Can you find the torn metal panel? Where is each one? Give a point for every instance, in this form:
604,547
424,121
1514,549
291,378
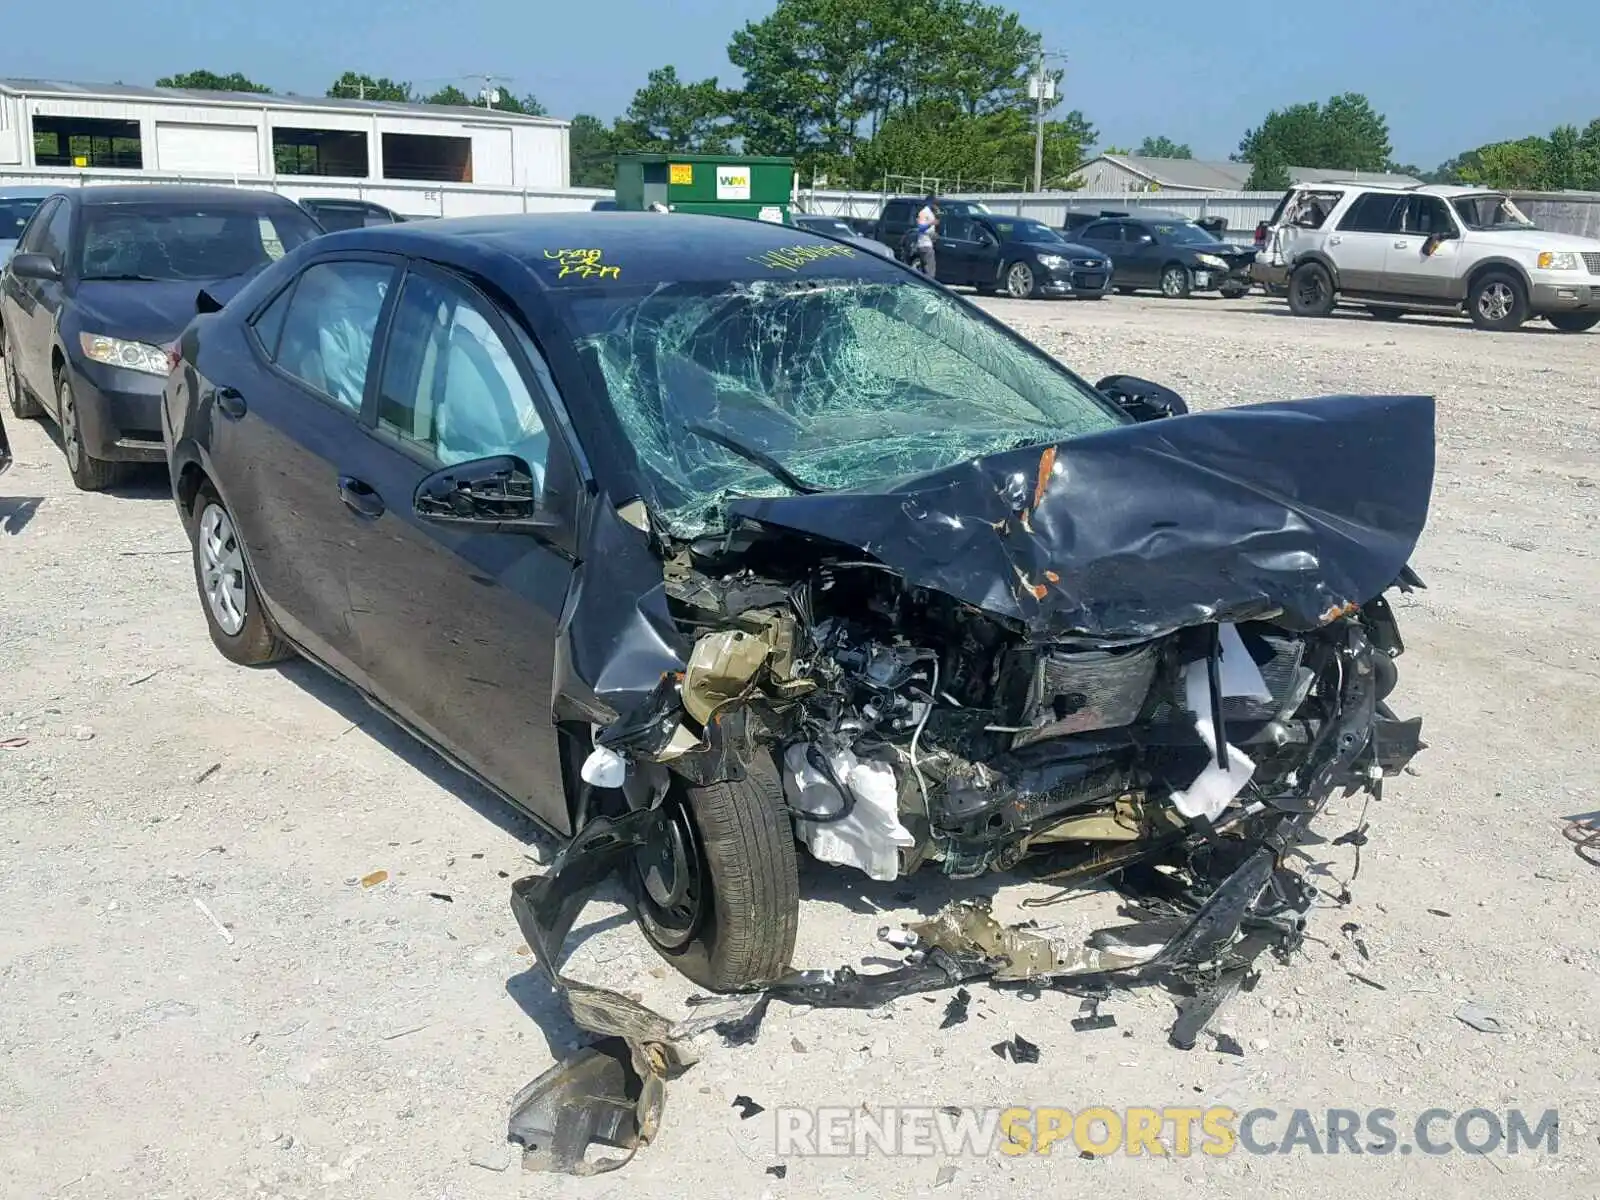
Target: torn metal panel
1300,509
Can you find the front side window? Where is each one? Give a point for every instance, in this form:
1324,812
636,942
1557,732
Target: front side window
54,233
1491,211
1375,212
450,385
1184,233
1428,215
1103,231
841,382
959,229
329,326
188,241
34,234
14,214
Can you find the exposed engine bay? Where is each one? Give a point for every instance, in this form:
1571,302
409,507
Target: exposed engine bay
1150,655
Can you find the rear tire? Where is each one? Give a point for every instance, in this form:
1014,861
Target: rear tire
1497,301
22,404
1574,322
1311,291
740,928
240,626
90,474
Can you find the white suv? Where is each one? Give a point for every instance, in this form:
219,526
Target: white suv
1430,249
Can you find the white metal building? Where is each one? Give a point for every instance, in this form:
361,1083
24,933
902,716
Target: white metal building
106,130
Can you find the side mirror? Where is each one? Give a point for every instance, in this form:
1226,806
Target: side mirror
498,494
1141,399
34,266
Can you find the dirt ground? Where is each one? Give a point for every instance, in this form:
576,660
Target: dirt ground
342,1040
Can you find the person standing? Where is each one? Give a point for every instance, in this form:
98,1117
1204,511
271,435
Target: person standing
927,228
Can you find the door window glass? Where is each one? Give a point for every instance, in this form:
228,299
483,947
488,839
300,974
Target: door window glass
33,234
1374,212
269,322
959,229
52,241
326,339
1428,215
1103,231
449,383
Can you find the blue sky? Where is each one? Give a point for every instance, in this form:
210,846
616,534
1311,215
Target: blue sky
1449,74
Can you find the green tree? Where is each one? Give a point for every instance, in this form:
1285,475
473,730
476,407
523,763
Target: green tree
528,105
1267,172
823,76
1518,164
210,81
1345,134
669,114
937,140
452,95
590,147
354,86
1164,147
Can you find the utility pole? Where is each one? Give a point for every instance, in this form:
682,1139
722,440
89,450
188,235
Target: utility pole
1041,87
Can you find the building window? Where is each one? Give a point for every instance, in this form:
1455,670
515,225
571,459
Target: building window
86,142
426,157
340,152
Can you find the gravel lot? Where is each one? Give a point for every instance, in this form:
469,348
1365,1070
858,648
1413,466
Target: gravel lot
344,1040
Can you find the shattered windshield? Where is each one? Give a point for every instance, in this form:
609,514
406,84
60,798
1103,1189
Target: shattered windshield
769,387
1185,234
1491,212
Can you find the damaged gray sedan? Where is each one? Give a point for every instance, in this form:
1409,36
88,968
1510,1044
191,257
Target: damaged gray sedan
737,543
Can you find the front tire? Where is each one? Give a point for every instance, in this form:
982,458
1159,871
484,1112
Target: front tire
240,625
89,473
1497,301
719,884
1176,282
1019,281
1574,322
1311,291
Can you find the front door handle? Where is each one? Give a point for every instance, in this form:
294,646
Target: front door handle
360,498
1402,245
230,401
1335,240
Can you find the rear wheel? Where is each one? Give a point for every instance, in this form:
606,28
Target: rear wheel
1574,322
89,473
1497,301
1311,291
240,626
1175,281
718,883
1019,280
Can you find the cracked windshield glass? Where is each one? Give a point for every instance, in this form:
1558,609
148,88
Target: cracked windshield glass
767,388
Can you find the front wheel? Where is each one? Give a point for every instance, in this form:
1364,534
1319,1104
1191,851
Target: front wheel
240,626
1574,322
718,883
1019,281
1175,282
89,473
1311,291
1497,301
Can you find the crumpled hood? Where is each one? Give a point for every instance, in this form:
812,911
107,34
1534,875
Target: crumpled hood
1305,507
155,312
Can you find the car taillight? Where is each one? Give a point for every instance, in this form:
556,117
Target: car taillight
1261,233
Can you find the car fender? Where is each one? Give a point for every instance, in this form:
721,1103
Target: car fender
1319,257
1461,286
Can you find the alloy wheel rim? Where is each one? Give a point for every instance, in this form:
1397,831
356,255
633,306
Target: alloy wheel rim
1172,283
221,569
69,426
1496,301
1020,280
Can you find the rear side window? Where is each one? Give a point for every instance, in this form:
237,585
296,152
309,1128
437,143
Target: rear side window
1103,231
328,328
1375,212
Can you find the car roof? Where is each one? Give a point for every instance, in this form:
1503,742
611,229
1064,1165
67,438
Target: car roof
172,193
642,246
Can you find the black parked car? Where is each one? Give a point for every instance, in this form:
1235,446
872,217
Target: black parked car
335,213
102,282
1025,258
900,215
642,522
1174,257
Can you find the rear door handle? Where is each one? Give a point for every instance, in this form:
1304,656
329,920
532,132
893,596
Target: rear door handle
230,401
360,498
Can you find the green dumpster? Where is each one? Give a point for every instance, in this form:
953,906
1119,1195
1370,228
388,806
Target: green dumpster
723,185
